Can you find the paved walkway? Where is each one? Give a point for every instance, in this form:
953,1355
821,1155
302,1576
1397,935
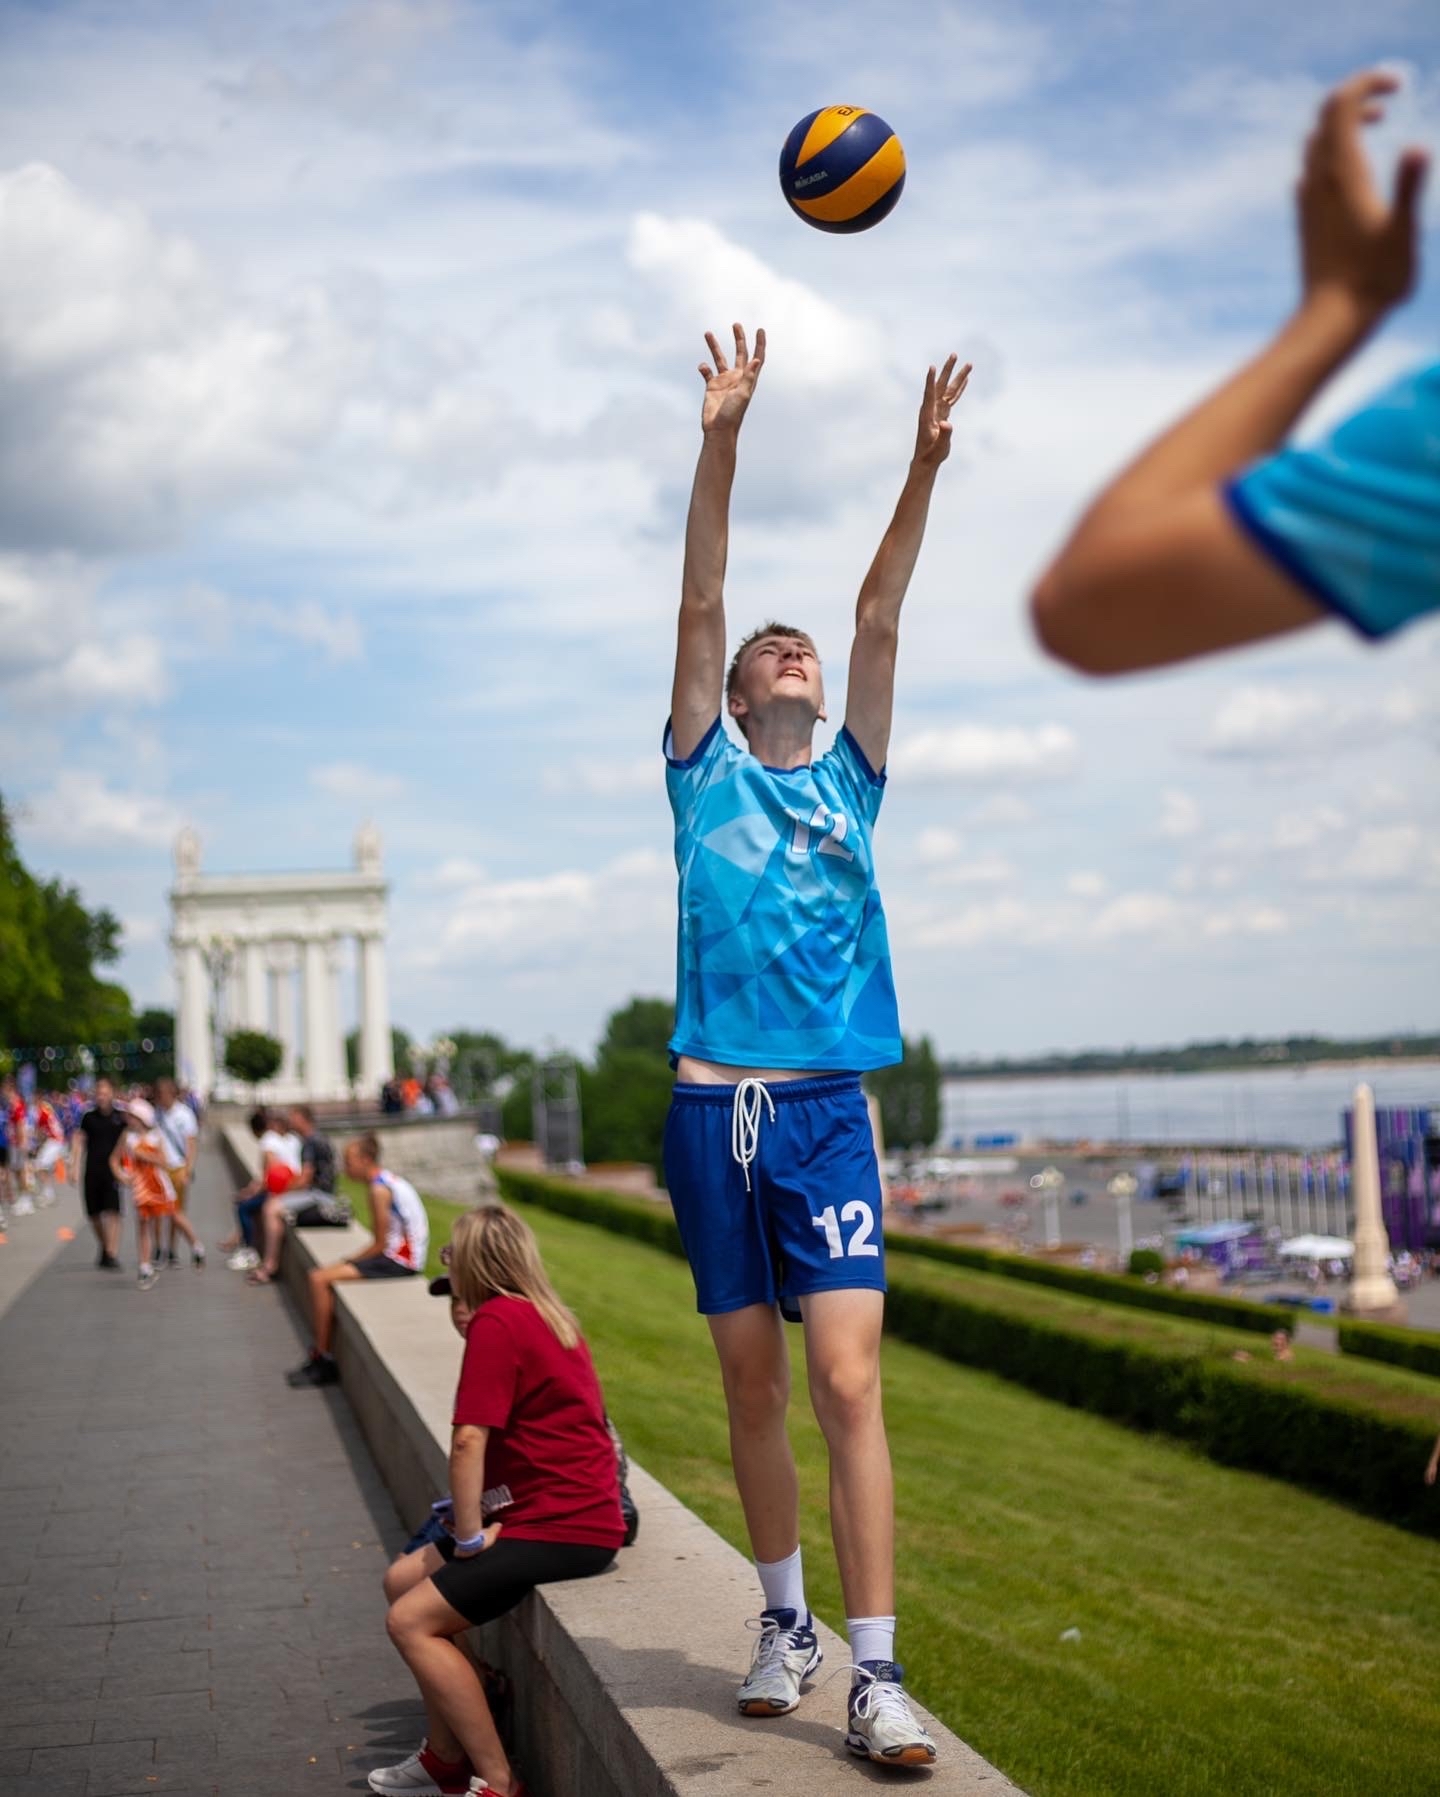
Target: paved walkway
190,1552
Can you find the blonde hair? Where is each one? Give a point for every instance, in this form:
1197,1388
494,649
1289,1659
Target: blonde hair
494,1254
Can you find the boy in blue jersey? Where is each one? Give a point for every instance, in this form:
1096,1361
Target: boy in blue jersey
1218,536
783,998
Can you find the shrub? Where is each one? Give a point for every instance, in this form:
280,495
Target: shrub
640,1220
1145,1260
1107,1288
1413,1348
253,1056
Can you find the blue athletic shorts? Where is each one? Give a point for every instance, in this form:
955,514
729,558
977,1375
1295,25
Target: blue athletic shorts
811,1219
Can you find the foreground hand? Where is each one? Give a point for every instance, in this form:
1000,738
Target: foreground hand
467,1550
727,389
932,440
1350,239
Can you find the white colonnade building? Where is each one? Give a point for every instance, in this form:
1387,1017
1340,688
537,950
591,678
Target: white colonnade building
266,952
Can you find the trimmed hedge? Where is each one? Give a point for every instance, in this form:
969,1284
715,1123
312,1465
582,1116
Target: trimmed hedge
1108,1288
1249,1416
635,1217
1413,1348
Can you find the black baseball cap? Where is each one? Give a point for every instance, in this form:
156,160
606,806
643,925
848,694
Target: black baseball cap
440,1288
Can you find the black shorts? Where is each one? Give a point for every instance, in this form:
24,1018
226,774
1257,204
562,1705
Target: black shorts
486,1585
314,1217
380,1266
101,1198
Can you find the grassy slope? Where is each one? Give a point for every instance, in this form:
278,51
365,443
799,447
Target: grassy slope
1237,1636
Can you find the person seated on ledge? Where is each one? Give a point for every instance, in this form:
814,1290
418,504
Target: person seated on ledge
309,1201
529,1446
400,1242
279,1165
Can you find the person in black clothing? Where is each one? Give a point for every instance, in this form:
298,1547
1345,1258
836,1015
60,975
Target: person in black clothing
101,1129
310,1202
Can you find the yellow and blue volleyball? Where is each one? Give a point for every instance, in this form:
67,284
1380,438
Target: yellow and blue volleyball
842,169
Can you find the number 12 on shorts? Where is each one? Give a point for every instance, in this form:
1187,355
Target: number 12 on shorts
856,1211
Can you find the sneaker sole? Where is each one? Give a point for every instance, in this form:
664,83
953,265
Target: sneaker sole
765,1706
904,1756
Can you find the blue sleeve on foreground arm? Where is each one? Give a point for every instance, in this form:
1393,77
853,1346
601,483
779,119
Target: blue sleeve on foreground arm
1355,521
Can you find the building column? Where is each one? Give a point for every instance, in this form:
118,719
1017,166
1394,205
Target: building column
334,953
193,1056
257,1007
319,1050
377,1061
282,1004
235,1017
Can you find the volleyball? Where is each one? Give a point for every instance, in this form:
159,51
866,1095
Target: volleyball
842,169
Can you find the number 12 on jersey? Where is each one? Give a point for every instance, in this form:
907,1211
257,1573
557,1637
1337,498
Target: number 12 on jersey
856,1211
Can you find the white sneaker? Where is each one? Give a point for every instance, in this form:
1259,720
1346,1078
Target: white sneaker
785,1656
147,1277
408,1779
242,1260
882,1724
24,1206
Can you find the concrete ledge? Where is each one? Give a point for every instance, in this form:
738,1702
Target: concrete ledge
625,1684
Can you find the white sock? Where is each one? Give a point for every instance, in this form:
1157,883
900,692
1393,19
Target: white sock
871,1638
784,1586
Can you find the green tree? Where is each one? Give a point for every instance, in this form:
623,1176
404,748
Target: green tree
399,1052
623,1103
253,1056
645,1025
50,948
157,1027
909,1097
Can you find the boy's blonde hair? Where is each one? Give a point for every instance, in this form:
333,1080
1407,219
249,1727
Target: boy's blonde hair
494,1254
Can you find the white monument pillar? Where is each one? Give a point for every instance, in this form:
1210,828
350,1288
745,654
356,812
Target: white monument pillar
377,1061
334,954
319,1049
235,1014
257,1008
282,994
194,1059
1371,1288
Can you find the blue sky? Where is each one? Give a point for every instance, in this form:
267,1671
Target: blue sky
350,413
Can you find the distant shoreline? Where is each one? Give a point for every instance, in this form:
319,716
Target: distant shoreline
950,1074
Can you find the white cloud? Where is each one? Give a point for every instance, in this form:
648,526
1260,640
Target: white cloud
80,810
1179,815
979,870
1391,855
1004,810
1304,828
61,648
601,778
936,845
1137,914
1086,884
355,783
987,752
139,391
1284,723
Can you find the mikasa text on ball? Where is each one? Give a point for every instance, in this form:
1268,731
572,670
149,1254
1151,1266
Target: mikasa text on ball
842,169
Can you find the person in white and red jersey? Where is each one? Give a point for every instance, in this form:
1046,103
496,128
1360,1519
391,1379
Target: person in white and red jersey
400,1242
48,1139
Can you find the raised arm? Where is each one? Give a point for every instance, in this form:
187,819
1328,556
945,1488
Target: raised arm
870,698
700,648
1157,569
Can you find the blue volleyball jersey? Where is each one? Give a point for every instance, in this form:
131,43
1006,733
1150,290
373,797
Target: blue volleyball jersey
1356,520
783,956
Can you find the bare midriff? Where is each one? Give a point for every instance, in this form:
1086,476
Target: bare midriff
690,1071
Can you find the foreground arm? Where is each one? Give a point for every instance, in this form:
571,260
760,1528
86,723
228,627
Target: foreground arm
700,647
379,1223
1157,570
870,696
467,1487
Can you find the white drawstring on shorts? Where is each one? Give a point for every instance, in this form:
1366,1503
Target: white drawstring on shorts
745,1122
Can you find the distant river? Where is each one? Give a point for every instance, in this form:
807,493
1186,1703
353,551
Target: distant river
1299,1106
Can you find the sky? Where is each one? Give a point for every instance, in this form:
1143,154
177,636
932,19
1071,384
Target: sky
349,413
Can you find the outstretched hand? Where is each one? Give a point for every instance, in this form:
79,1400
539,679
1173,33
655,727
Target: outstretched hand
728,389
1350,238
942,393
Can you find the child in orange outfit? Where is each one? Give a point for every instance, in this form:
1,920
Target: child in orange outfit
145,1167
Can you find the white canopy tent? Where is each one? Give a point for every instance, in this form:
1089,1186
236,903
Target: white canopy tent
1317,1247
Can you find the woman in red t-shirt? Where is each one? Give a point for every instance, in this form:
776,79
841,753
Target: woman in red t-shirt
535,1495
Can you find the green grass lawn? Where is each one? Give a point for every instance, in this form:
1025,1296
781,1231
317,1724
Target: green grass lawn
1237,1636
